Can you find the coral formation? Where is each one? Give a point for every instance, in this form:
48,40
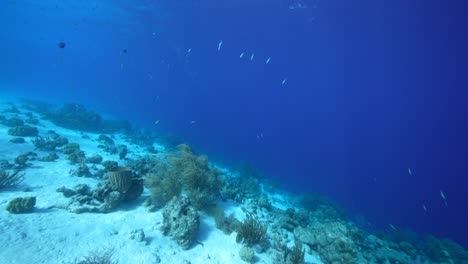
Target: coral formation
50,157
21,205
103,199
120,179
247,254
12,122
50,143
96,159
76,116
188,172
7,179
250,231
22,159
23,131
181,221
18,140
74,153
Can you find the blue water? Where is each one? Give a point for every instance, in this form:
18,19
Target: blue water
372,88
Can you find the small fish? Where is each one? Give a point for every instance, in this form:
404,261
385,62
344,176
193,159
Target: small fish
220,44
284,81
393,227
189,50
442,194
268,60
156,122
241,55
121,66
252,56
424,207
193,122
410,172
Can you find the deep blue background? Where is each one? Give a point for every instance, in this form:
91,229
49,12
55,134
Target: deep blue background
373,88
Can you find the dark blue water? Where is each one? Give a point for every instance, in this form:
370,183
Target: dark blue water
373,88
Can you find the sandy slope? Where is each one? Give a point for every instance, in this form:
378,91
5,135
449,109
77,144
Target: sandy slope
53,235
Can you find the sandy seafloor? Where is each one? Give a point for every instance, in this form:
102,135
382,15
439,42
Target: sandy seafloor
52,235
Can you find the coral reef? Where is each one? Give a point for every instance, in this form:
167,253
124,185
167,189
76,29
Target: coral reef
50,143
23,131
76,116
103,199
181,221
12,122
21,205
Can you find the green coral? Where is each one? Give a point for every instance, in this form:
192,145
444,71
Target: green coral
49,158
70,148
163,187
96,159
201,182
21,205
53,142
22,159
185,171
74,153
251,231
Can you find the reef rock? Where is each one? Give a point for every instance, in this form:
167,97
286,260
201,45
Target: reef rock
332,240
181,221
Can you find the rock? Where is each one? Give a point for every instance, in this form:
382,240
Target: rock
181,221
18,140
96,159
135,190
247,254
332,240
137,235
66,192
23,131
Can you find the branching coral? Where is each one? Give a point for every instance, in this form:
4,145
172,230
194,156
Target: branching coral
184,171
7,179
251,231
